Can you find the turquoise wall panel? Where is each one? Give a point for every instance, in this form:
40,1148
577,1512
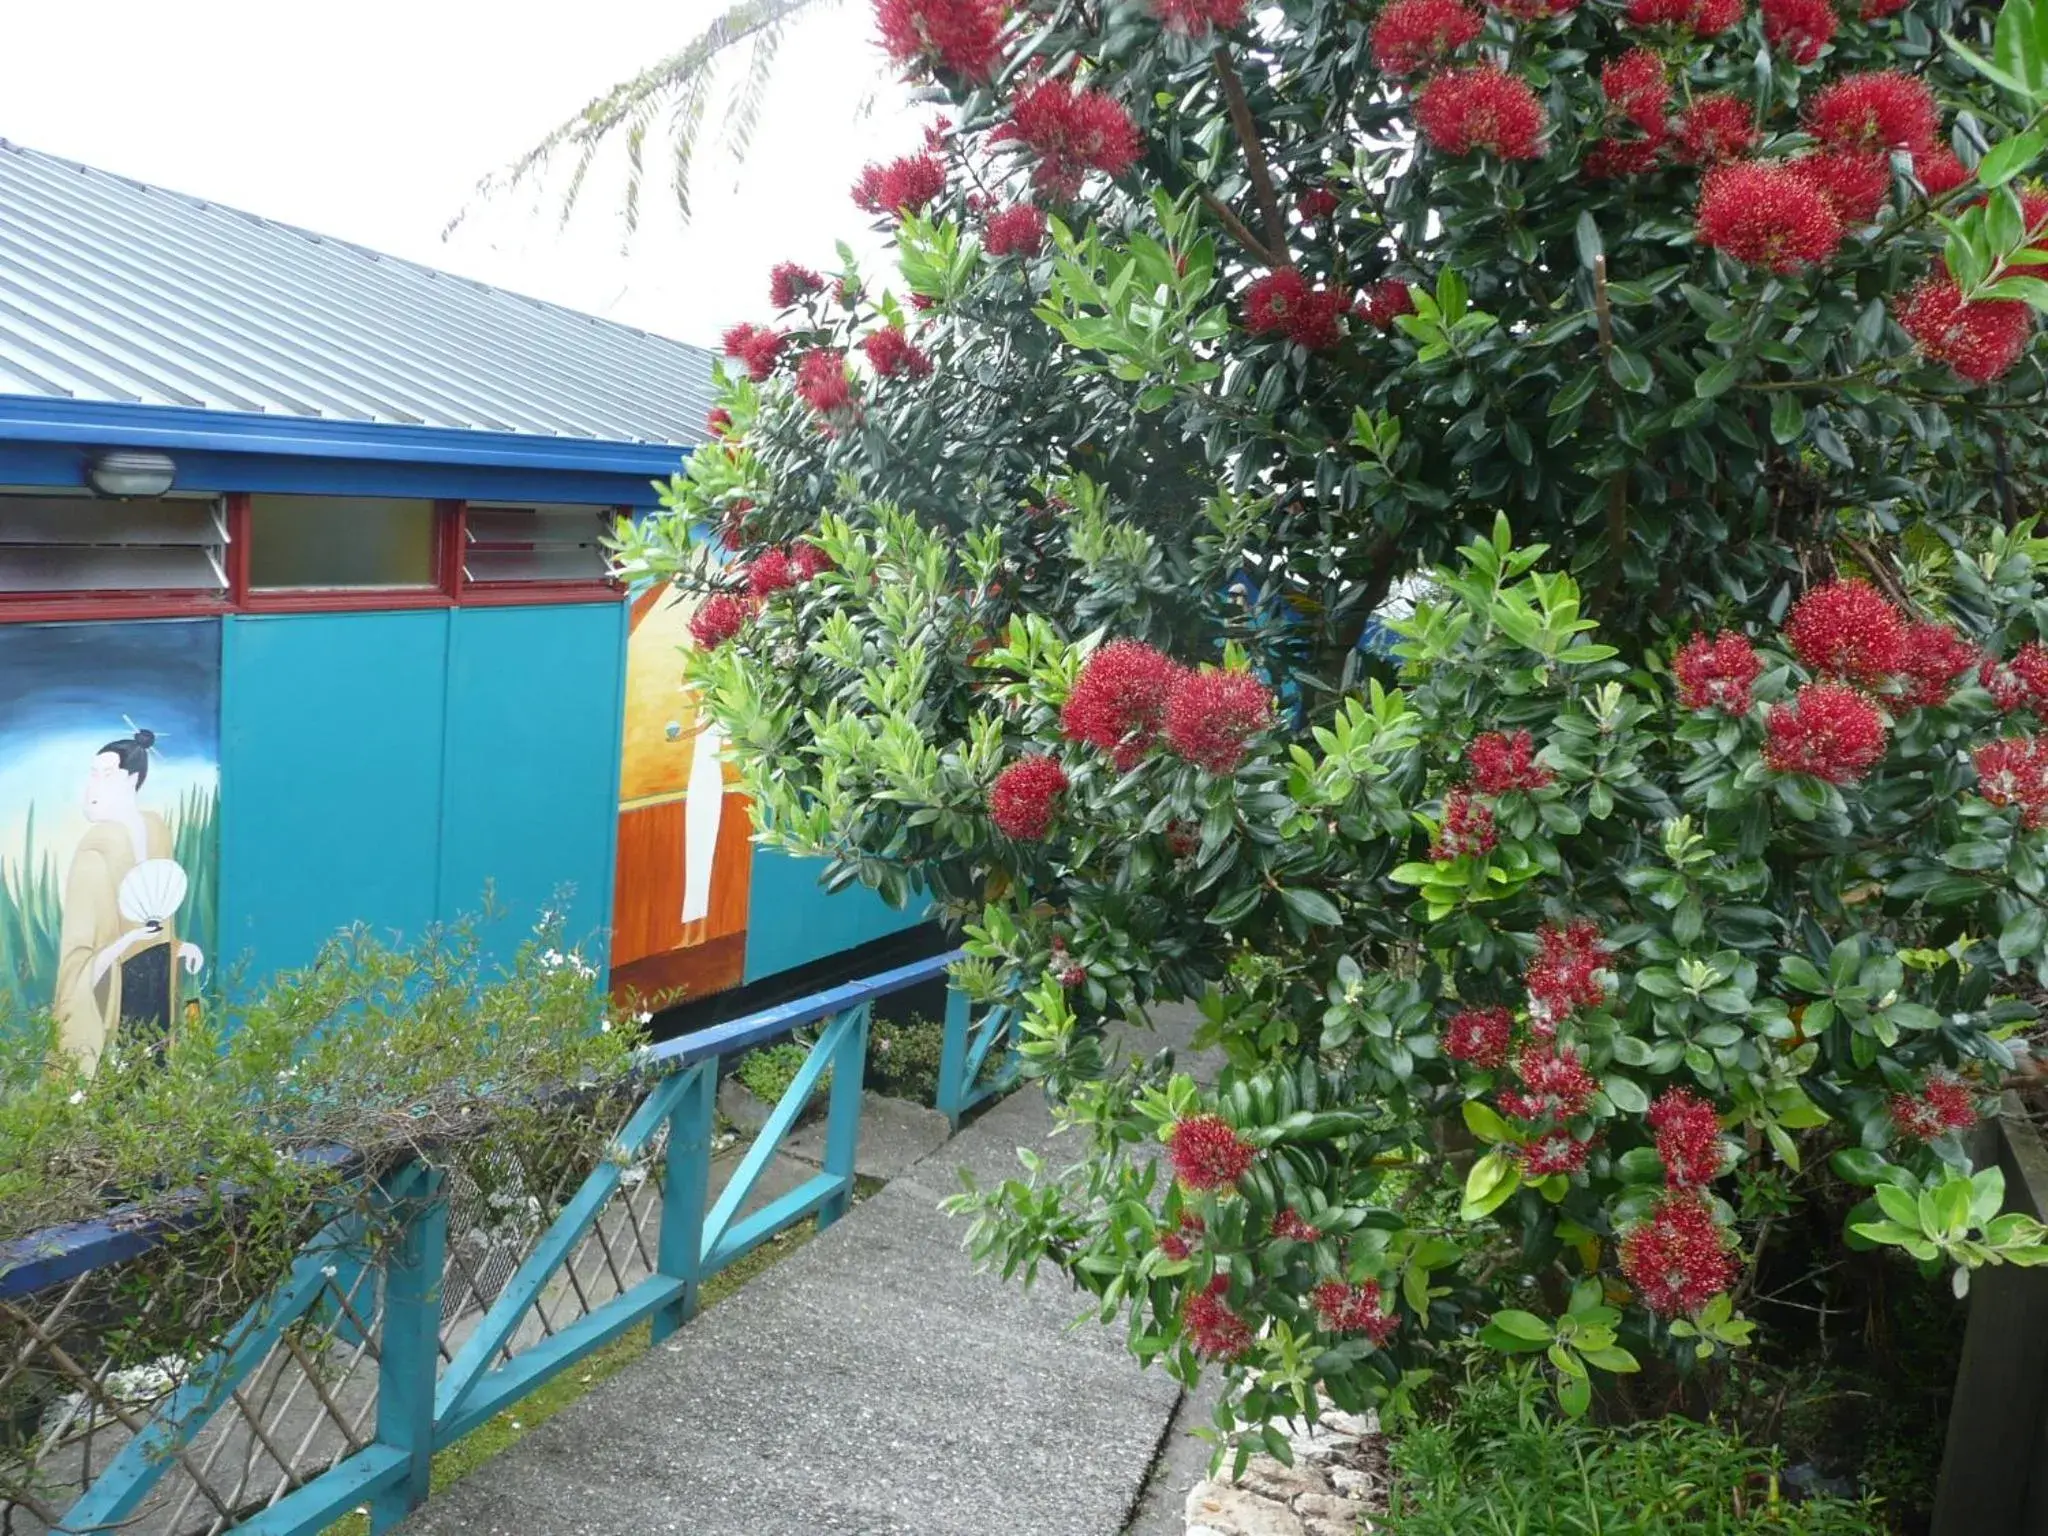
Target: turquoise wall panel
331,736
791,921
530,796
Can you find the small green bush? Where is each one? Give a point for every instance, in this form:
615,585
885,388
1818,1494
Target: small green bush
903,1057
1498,1463
768,1072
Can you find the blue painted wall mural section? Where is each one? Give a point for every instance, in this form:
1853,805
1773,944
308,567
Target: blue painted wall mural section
794,922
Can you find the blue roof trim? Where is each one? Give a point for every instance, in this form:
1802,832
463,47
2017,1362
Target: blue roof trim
36,419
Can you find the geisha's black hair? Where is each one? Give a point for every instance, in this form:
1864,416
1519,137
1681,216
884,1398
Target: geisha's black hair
132,753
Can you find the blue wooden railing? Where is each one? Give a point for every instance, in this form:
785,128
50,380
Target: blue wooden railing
286,1392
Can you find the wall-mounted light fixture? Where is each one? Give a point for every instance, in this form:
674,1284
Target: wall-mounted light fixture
126,472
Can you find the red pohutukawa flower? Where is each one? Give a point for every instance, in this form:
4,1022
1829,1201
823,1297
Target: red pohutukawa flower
1381,303
1207,1154
1018,230
1073,131
1479,1035
1211,716
1678,1260
1316,203
719,422
823,383
1218,1332
1979,339
1935,659
1938,171
1354,1309
1025,797
1554,1152
1503,761
1881,109
1282,301
789,284
1715,128
2034,213
893,355
1179,1243
1193,18
1702,18
1767,216
1854,181
1717,673
1119,700
1799,29
1565,975
1611,159
2030,666
1482,109
902,186
1827,732
807,560
1877,10
718,618
1467,830
1555,1085
769,573
1846,630
1410,36
1534,10
756,346
964,36
1943,1104
1688,1138
2013,771
1637,88
2008,690
1289,1226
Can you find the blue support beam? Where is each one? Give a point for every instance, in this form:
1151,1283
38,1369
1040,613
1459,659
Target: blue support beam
409,1352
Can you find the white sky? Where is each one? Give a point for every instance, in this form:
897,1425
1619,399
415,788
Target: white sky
372,121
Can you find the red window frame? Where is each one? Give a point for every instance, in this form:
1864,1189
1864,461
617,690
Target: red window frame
510,594
75,607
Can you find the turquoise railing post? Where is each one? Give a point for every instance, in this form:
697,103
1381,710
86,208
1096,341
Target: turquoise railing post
842,1123
409,1357
953,1096
685,1190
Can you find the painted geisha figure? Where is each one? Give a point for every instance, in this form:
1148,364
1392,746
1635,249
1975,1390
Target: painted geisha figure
120,957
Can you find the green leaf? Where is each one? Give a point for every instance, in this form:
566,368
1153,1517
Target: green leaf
1788,417
1492,1180
1612,1358
2007,158
1798,971
1900,1206
1626,1094
2022,936
1588,236
1524,1325
1313,905
1630,370
1484,1123
1574,1395
1717,380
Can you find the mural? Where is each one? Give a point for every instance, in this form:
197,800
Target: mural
685,866
109,792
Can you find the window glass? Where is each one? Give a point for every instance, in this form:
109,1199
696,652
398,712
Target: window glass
301,543
58,545
529,544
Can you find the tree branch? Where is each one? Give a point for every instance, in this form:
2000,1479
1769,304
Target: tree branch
1255,160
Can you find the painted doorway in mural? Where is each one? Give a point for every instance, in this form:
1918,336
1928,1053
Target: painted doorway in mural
685,867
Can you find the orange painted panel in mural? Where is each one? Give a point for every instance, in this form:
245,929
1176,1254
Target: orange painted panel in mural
647,901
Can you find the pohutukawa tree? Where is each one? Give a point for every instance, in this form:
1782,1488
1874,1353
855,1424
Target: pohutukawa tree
1142,587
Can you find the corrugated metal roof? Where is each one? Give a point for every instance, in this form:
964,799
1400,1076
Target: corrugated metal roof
114,290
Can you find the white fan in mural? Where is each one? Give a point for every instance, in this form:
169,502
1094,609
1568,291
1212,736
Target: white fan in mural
152,891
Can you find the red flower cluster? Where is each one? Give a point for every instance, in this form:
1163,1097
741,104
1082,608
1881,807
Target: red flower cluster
1482,108
1207,1154
1565,975
1180,1243
1410,36
1854,181
1467,830
1354,1309
1980,339
823,383
807,560
756,346
1613,158
1935,660
1018,230
1943,1104
2014,771
1877,10
719,422
1799,28
893,354
1289,1227
2020,683
1217,1331
1073,131
1881,109
1316,203
1688,1138
1479,1035
1717,673
1193,18
770,572
1119,700
964,36
1534,10
1827,732
1846,630
1025,797
1636,88
1715,128
1382,302
1938,171
1557,1083
1505,760
718,618
1702,18
1767,216
1282,301
788,284
902,186
1212,715
1555,1152
1679,1259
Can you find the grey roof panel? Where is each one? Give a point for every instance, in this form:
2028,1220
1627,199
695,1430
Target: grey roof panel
114,290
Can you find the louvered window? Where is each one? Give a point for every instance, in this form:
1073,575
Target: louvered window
513,545
62,546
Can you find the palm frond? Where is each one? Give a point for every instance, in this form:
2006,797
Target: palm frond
745,115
